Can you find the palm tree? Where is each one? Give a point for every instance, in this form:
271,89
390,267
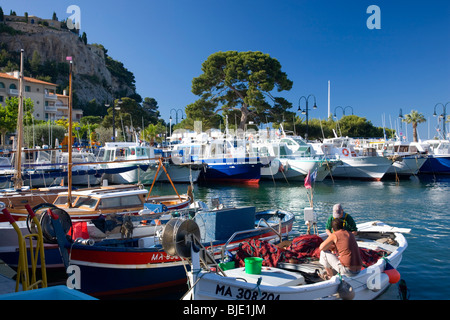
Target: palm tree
415,118
149,133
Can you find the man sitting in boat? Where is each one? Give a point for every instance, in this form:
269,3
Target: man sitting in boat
338,213
348,259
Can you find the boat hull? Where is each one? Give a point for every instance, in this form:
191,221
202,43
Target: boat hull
130,174
436,165
410,165
229,172
180,174
362,168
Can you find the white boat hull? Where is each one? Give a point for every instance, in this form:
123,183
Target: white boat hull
180,174
42,182
132,176
297,169
408,166
365,168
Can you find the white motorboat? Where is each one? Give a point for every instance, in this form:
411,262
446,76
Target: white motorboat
85,172
438,162
128,162
407,159
299,281
294,159
39,168
366,165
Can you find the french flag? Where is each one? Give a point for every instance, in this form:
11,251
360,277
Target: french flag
310,178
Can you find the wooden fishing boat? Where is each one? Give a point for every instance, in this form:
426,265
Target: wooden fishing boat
90,203
300,281
121,266
15,200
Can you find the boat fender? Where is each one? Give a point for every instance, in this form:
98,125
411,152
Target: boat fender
345,291
392,273
86,242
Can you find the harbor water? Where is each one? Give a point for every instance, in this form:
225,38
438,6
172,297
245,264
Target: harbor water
419,203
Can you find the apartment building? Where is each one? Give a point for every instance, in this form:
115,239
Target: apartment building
48,105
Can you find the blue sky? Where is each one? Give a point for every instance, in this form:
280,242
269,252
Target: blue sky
405,64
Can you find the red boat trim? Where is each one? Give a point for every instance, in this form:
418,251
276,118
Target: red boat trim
140,258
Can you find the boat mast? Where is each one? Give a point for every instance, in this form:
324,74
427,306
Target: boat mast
69,143
18,182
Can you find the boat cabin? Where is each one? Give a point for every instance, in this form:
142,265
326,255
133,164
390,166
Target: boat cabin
439,147
298,146
104,199
113,151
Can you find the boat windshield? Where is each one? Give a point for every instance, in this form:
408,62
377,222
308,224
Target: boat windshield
63,199
119,202
86,202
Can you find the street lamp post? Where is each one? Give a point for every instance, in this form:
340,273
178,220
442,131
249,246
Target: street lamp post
115,107
400,116
176,118
443,115
306,110
343,110
176,115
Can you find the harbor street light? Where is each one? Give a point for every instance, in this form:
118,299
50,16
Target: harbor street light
306,110
443,115
176,114
115,107
343,110
400,116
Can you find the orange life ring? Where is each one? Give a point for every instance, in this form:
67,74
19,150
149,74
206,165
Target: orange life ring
345,152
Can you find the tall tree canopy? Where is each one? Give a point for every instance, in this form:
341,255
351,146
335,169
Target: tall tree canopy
245,81
150,106
9,113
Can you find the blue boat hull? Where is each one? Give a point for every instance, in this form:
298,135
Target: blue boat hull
232,172
52,258
96,281
436,165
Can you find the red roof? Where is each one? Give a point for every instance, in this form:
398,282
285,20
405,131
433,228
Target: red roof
10,77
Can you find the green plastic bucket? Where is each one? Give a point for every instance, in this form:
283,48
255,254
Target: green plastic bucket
253,265
227,265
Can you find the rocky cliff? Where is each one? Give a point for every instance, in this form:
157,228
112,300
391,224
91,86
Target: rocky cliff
92,79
